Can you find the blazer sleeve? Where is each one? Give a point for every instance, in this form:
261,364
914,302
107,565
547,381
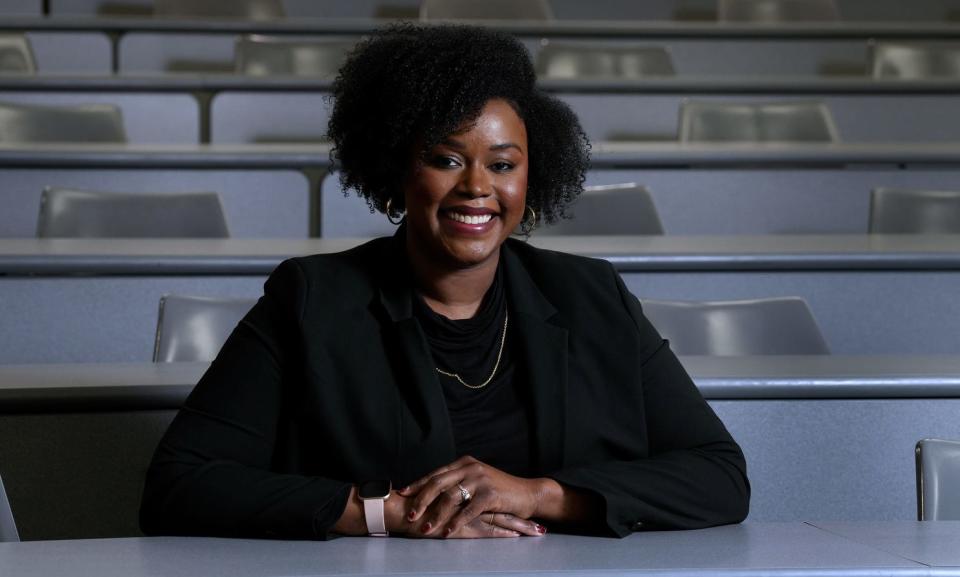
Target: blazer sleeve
695,473
211,473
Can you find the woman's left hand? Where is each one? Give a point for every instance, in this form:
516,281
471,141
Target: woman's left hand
438,500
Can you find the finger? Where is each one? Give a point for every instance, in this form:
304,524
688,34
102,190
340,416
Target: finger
478,529
522,526
470,511
433,489
414,487
439,513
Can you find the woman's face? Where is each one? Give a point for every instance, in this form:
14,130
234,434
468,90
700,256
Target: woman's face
467,194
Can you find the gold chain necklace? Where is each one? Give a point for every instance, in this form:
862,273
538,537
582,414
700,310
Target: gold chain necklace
503,339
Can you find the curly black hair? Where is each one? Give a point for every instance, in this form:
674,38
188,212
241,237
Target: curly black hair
411,86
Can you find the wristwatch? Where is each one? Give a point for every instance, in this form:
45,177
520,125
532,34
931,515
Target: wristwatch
373,494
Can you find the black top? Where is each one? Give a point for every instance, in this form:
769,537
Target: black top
329,381
490,422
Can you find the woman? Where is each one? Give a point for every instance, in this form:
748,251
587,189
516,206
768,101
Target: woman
450,381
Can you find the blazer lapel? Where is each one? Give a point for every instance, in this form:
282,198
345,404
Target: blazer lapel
543,347
433,445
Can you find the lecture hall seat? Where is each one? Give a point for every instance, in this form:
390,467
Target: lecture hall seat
938,480
257,55
773,11
485,10
191,328
67,213
613,209
794,121
234,9
556,60
8,528
771,326
16,55
915,61
897,211
84,123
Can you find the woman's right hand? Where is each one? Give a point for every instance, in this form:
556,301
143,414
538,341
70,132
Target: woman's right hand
486,526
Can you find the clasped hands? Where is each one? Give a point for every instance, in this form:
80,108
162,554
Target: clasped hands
500,505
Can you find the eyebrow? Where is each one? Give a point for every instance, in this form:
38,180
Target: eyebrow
502,146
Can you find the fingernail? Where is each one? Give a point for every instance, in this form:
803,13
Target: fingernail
449,530
412,515
541,529
426,528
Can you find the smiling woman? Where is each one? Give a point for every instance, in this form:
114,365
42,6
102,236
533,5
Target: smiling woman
450,381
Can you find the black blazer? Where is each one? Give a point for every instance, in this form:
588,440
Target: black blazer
329,381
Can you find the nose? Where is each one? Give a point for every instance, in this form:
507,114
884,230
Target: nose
475,181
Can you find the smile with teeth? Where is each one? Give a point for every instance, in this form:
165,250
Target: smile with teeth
470,218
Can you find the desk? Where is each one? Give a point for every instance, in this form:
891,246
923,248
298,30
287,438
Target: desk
63,387
828,438
933,544
96,300
793,549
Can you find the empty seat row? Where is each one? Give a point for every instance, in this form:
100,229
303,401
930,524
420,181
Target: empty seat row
194,328
726,10
623,209
700,121
259,55
268,117
262,56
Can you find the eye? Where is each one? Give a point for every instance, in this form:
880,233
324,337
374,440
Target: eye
502,166
442,161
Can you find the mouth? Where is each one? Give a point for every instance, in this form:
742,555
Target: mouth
468,218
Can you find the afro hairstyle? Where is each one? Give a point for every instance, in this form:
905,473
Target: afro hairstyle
406,88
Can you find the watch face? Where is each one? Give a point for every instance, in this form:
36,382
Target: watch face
374,490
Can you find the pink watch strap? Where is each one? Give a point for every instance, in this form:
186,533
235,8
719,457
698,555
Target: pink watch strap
373,513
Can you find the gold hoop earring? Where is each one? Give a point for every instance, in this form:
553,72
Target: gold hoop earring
390,211
527,225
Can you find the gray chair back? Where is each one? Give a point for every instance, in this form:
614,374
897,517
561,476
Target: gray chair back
16,54
915,60
237,9
702,121
485,10
8,528
560,60
777,10
895,211
23,123
938,480
266,56
88,214
194,328
615,209
773,326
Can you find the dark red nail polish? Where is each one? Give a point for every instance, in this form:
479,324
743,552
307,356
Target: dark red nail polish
541,529
411,515
426,528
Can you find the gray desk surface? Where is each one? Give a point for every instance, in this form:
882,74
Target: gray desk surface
936,544
647,30
750,549
102,386
646,155
719,84
152,257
